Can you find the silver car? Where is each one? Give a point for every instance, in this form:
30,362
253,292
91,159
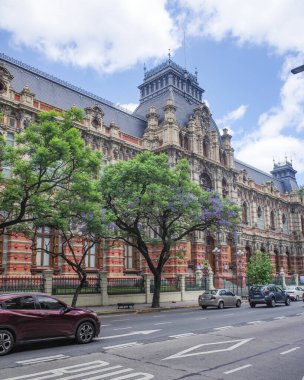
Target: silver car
295,292
219,298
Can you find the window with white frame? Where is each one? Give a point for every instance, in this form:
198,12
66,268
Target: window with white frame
90,259
43,246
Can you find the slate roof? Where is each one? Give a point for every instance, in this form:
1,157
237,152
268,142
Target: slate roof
61,94
258,175
184,107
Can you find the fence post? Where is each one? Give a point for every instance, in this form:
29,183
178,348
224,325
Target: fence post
182,279
210,275
103,278
296,279
282,275
147,278
48,281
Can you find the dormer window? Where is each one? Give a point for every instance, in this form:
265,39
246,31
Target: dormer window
95,122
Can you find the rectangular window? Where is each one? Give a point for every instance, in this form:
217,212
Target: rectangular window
43,246
90,259
128,257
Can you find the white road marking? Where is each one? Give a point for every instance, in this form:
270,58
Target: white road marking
199,319
123,328
291,350
42,359
188,351
104,325
145,332
300,314
227,315
238,369
223,328
98,369
181,335
254,322
282,317
161,323
130,344
120,320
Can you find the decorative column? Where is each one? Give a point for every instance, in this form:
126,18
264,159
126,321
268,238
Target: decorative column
210,278
103,278
282,276
48,281
148,278
182,286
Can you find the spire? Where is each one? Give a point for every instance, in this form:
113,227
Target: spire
169,55
145,70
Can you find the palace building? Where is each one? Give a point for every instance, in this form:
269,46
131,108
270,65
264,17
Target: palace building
172,117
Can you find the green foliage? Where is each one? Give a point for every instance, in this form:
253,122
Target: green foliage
259,269
150,201
49,163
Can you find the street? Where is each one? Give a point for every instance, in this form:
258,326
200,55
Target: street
261,343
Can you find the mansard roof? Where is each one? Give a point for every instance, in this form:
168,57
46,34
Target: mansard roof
63,95
258,175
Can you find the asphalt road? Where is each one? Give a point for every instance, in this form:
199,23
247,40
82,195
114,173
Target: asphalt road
261,343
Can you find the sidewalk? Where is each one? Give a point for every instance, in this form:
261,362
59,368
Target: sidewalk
144,308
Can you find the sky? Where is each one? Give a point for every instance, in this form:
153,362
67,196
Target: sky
243,52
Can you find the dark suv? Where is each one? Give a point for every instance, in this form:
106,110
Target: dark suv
268,294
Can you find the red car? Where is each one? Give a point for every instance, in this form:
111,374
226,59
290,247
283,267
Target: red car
37,316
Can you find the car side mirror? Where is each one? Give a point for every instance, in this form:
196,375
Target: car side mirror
66,309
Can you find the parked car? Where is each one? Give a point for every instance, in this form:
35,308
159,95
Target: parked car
268,294
219,298
295,292
37,316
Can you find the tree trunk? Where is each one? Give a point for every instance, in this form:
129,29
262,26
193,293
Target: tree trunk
156,293
83,279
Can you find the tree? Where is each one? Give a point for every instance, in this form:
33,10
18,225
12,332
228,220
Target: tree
259,269
79,220
154,203
46,157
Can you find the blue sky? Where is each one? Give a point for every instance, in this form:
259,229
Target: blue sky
243,52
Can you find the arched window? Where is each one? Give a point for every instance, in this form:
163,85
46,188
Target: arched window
244,213
206,147
205,182
285,224
225,188
272,220
186,142
260,218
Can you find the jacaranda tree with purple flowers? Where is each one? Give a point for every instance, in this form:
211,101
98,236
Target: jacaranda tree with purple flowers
151,201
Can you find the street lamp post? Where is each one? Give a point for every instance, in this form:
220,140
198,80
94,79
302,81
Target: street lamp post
239,253
216,251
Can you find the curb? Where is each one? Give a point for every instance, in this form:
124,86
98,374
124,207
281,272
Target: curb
146,310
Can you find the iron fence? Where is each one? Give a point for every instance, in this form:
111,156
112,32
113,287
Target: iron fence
290,281
67,285
195,283
167,285
242,291
126,285
9,284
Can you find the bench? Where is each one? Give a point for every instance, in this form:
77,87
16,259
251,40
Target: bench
125,305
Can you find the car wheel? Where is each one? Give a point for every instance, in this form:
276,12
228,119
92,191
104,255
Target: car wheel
204,307
7,342
85,333
287,301
221,305
238,303
272,302
252,304
297,298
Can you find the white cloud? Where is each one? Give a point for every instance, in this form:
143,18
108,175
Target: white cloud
231,117
277,23
129,106
106,35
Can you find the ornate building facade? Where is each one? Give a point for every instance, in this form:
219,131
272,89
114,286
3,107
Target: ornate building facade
172,118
